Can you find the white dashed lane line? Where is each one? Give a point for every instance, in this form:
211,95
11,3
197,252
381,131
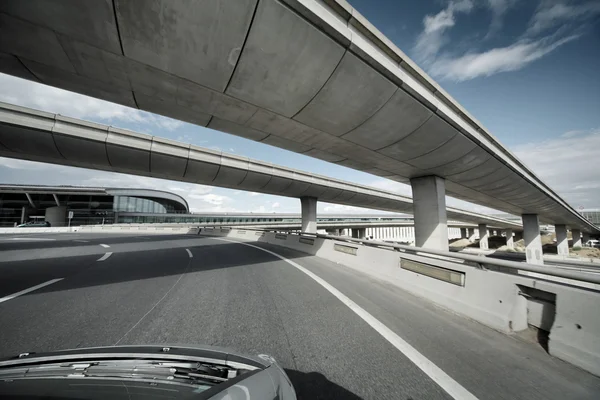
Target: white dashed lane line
31,289
189,253
105,256
105,245
81,241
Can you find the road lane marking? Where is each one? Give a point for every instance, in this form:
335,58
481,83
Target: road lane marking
105,245
31,289
105,256
81,241
189,253
452,387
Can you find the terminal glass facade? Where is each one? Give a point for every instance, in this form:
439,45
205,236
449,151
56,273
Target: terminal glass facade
592,215
142,205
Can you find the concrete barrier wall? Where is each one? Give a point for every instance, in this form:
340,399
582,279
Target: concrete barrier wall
105,228
39,230
492,298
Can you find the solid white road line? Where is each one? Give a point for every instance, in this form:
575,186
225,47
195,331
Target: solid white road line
189,253
81,241
105,245
452,387
105,256
31,289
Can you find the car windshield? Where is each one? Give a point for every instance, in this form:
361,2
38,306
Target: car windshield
313,199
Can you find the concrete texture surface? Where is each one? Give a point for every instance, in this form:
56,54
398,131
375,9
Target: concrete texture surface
532,239
146,155
234,296
431,224
483,237
562,242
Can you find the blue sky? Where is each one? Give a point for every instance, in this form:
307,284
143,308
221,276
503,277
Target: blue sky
528,70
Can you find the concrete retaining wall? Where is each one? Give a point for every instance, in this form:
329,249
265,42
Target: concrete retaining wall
492,298
39,230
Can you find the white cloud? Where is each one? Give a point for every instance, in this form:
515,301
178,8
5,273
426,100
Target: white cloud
498,9
461,66
254,194
401,189
432,38
551,14
569,165
212,198
574,133
511,58
275,205
47,98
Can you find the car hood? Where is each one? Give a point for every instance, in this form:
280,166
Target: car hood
129,372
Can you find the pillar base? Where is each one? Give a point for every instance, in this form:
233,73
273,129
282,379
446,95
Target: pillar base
562,243
532,239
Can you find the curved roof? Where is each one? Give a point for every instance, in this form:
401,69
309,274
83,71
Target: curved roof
95,191
310,76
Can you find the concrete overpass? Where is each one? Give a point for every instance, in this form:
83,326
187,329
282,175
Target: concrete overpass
309,76
46,137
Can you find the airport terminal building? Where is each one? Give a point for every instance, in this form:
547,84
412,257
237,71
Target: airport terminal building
86,205
97,206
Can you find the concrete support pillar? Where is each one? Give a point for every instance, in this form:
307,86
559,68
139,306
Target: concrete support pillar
562,243
57,216
483,237
23,215
509,238
471,234
532,238
309,214
585,237
518,236
362,233
429,209
463,233
576,237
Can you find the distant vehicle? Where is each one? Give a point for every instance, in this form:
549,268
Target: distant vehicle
592,243
149,372
35,224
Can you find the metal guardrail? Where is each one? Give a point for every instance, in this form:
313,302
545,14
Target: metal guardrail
480,260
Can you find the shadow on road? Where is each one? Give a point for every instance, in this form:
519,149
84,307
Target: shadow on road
314,385
141,265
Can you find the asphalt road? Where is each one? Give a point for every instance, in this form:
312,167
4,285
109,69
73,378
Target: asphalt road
149,290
